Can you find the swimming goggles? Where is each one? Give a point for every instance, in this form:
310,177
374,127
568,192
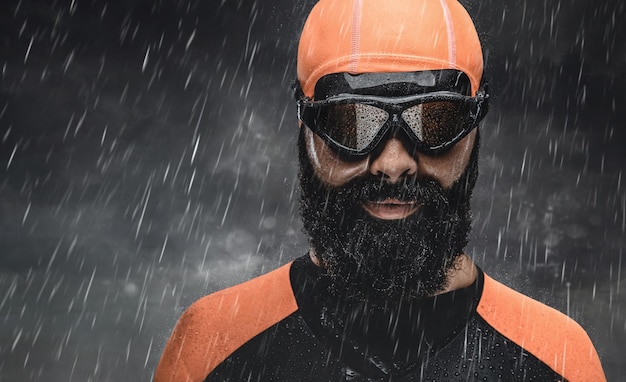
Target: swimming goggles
356,124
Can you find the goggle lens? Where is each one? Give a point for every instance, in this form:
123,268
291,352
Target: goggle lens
353,125
437,123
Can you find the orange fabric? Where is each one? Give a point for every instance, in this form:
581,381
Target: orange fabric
218,324
361,36
544,332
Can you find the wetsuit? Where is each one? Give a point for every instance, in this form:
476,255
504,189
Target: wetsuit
287,326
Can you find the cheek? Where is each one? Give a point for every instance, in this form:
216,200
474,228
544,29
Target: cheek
328,167
448,167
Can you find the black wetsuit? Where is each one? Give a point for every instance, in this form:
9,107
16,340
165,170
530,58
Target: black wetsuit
456,336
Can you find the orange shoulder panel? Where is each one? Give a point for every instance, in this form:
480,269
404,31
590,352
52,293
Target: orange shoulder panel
546,333
216,325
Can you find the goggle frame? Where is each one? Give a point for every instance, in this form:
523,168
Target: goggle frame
394,106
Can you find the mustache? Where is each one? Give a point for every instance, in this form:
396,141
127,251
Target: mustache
423,190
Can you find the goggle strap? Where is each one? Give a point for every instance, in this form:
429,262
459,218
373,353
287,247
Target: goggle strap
298,93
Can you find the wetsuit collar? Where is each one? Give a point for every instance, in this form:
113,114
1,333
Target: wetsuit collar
380,341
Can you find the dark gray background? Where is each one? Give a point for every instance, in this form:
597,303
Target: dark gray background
147,157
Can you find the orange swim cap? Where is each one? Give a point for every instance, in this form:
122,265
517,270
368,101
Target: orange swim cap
366,36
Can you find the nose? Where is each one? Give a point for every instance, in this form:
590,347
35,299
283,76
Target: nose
393,162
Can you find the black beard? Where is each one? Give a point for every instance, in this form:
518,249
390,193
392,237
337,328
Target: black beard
379,260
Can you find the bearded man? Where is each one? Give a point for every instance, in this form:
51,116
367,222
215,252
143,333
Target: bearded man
389,97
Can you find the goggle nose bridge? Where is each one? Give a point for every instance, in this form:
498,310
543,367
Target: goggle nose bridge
392,127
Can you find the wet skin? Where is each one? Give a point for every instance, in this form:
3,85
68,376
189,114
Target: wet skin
393,163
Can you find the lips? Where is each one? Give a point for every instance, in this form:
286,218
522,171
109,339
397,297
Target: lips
391,209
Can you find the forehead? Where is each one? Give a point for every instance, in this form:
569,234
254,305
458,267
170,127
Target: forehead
392,83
